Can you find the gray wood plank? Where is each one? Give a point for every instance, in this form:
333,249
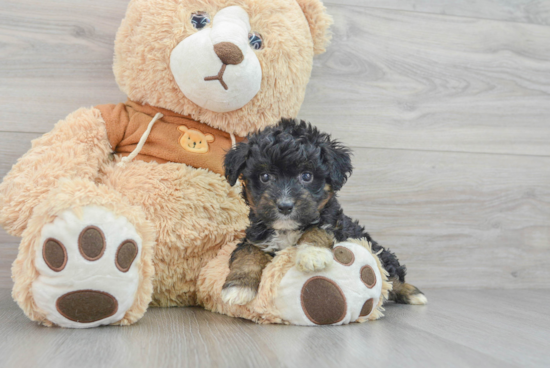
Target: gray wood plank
8,253
390,78
457,329
522,11
56,56
394,79
456,219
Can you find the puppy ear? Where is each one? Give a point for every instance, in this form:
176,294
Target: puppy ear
319,22
338,159
235,161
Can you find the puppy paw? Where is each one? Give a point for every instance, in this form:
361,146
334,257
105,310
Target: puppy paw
418,299
405,293
238,295
311,258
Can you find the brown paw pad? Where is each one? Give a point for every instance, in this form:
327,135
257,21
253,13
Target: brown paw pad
367,308
86,306
125,255
344,256
368,276
54,254
323,301
91,243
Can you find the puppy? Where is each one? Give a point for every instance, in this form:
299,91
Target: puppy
290,175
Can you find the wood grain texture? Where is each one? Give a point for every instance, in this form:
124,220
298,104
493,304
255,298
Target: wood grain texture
448,117
55,57
521,11
393,79
457,329
456,219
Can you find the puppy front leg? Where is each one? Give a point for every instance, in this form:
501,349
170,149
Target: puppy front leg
245,273
314,250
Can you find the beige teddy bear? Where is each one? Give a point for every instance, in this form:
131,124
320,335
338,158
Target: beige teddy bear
124,206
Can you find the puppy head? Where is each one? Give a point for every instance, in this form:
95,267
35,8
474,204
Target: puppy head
289,173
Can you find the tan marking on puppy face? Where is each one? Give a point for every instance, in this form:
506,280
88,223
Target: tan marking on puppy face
249,197
330,194
195,141
266,203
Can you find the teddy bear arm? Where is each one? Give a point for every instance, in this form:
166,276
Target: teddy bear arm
77,147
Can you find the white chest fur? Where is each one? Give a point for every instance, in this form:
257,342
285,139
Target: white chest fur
282,239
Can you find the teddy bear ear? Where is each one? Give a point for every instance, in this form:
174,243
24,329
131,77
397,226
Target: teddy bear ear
319,23
209,138
183,128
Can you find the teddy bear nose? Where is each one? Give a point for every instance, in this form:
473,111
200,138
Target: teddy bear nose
229,53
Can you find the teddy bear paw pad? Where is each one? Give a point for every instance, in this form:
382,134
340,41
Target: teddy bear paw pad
88,267
346,291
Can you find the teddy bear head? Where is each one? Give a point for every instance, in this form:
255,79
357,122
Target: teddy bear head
236,65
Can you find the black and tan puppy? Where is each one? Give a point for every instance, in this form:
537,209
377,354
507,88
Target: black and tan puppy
290,175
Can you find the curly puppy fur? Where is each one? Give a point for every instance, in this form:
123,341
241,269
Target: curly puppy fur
290,174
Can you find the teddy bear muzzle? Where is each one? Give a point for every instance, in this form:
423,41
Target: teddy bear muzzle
219,53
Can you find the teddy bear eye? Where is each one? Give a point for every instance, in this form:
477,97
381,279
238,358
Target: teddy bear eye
200,19
256,41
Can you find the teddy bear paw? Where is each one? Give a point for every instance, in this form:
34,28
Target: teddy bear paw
348,290
88,268
238,295
311,258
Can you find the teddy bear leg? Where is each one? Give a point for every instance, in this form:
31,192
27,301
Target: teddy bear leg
85,259
351,289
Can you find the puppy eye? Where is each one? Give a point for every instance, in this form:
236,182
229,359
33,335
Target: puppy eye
306,177
256,41
265,177
200,19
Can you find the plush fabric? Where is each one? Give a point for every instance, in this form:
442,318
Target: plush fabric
152,29
105,236
175,138
75,196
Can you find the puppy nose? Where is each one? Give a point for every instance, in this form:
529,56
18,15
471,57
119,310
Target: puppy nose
285,207
229,53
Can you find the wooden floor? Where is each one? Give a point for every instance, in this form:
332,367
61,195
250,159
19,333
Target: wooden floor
489,328
446,104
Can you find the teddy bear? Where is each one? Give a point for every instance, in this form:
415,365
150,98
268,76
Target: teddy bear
125,206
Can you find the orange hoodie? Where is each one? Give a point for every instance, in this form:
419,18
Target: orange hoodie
174,138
